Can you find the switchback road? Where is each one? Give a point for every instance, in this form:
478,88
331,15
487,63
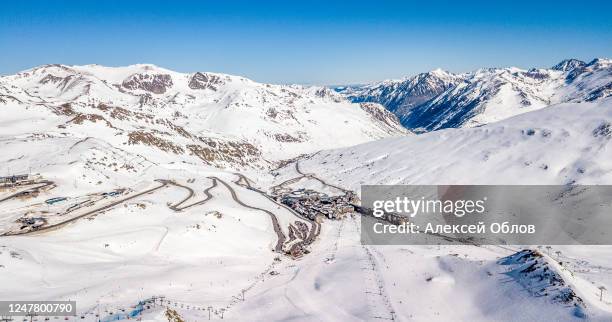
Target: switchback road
275,224
301,176
177,206
315,227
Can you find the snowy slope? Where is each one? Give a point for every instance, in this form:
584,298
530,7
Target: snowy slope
561,144
439,99
565,143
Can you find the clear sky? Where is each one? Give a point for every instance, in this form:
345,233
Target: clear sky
311,42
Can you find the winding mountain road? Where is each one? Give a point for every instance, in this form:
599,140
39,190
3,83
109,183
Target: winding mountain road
181,205
303,175
276,225
313,176
315,227
177,206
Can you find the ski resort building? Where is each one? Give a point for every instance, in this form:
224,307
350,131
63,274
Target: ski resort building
14,179
310,204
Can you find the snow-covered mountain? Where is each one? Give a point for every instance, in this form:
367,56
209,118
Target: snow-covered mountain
125,151
222,120
439,99
401,95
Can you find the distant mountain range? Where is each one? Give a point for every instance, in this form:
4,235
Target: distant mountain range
439,99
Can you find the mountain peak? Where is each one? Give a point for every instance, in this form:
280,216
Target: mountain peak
568,64
441,74
439,71
600,62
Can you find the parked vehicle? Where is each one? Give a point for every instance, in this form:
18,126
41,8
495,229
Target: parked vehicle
112,193
55,200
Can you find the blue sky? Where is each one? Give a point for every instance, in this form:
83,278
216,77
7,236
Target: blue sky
312,42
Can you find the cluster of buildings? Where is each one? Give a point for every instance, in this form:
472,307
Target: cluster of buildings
311,204
14,179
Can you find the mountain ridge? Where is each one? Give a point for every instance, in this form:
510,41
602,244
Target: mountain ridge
485,95
222,120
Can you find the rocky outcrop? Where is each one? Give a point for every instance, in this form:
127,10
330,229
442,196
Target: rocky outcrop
382,115
220,153
205,81
154,83
150,139
568,64
542,278
50,79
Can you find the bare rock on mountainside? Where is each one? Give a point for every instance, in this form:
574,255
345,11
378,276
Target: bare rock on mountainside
284,137
379,113
205,81
64,109
51,79
94,118
154,83
324,92
568,64
542,278
150,139
173,316
219,152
